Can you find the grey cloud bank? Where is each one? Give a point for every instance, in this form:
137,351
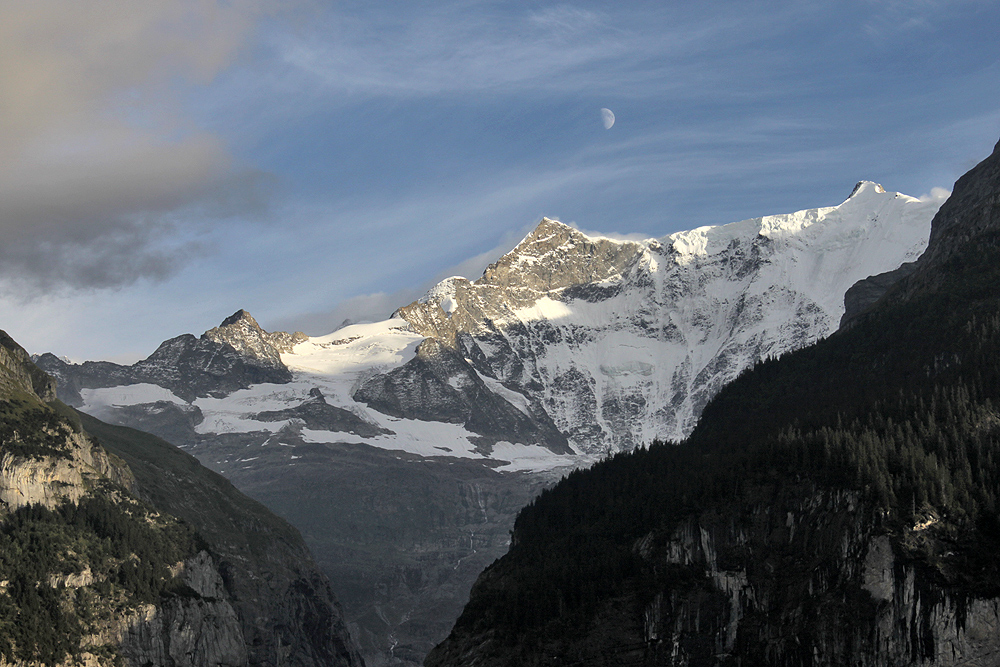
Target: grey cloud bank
99,165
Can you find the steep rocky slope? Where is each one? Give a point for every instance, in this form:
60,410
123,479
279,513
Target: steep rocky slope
232,356
117,548
241,332
839,505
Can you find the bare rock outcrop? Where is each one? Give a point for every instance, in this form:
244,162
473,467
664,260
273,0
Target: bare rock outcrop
241,331
230,357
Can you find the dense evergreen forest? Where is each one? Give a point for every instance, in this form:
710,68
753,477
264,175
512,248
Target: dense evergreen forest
31,430
902,408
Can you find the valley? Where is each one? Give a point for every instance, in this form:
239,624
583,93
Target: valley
491,334
404,449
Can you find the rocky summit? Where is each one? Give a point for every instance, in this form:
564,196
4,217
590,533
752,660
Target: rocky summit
241,332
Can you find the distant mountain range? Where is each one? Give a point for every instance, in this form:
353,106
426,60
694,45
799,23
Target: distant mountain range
573,344
569,348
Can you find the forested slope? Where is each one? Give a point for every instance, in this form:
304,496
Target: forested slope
118,549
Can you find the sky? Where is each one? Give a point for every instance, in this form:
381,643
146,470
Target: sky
166,163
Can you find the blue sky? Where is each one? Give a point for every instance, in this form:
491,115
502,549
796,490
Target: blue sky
167,163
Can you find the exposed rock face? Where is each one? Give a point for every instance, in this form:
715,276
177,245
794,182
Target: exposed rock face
51,480
233,356
168,420
553,257
204,631
864,293
193,367
317,414
68,462
241,331
900,615
438,384
972,212
185,634
199,630
18,373
900,612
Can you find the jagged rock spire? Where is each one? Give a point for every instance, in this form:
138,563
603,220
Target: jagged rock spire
240,315
241,331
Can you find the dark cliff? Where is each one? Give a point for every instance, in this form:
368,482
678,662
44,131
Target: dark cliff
838,505
971,215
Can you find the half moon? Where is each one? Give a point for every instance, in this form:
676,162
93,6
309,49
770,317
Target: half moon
608,117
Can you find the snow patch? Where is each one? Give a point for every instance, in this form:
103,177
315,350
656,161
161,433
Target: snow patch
530,457
545,308
125,395
411,435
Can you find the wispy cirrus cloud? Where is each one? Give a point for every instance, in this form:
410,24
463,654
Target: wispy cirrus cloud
891,17
463,47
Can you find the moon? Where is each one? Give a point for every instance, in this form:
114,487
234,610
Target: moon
608,117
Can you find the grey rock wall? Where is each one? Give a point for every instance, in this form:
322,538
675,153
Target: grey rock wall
820,582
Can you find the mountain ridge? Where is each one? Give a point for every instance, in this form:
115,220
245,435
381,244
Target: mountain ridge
529,337
671,309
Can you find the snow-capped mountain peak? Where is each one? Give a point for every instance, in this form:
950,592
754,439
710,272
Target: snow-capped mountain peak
570,345
621,342
864,187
